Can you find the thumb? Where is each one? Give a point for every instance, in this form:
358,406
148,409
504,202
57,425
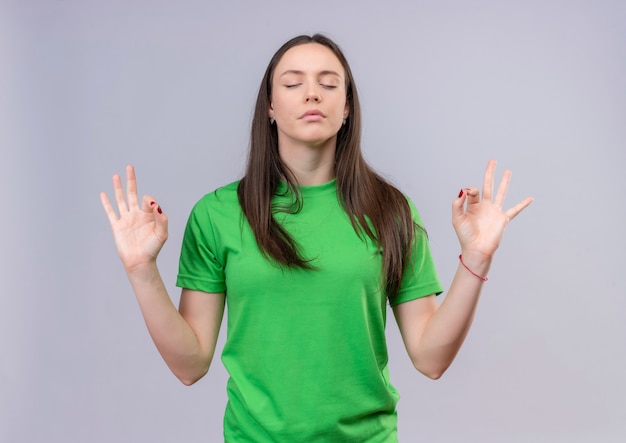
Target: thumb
150,204
458,203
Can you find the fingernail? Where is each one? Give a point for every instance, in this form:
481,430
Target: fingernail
461,193
159,210
152,203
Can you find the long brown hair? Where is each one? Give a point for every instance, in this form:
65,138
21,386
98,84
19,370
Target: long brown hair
375,207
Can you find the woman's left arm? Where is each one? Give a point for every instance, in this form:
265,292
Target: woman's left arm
433,333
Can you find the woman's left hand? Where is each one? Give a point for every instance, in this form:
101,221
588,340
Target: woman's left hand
480,224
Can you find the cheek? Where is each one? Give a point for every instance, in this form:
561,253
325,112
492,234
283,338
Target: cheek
280,105
342,109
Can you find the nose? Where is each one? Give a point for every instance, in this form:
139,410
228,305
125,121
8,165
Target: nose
313,97
313,94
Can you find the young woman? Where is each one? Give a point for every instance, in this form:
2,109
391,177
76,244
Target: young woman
307,249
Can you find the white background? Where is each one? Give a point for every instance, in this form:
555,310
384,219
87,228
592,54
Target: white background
89,86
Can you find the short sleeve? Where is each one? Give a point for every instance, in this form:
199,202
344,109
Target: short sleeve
200,267
420,277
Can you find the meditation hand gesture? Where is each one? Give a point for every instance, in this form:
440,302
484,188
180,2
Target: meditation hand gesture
139,232
481,224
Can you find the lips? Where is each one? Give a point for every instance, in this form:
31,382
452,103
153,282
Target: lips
313,114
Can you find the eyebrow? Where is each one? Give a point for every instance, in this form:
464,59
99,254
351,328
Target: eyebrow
297,72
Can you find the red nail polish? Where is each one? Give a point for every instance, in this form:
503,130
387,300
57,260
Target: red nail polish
159,210
461,193
152,203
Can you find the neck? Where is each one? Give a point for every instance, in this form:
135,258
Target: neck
311,164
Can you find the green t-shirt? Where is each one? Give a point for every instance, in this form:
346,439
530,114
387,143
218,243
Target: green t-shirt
305,350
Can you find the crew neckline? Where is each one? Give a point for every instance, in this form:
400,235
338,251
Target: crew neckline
312,190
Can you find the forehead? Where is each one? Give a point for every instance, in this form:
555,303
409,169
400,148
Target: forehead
309,57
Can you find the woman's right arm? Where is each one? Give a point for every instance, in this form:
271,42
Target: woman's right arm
186,338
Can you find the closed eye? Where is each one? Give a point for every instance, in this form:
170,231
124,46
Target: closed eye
292,85
328,86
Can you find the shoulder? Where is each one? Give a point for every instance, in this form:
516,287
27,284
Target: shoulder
221,201
223,195
414,212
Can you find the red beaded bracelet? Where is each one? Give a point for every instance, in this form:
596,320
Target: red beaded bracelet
470,271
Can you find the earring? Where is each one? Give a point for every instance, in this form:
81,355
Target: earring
272,120
344,120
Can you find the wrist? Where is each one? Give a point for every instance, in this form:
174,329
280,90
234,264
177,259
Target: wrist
476,257
142,271
475,263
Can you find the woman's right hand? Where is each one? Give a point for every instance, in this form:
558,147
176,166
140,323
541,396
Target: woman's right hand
139,232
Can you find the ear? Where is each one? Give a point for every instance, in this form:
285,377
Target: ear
270,111
346,110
